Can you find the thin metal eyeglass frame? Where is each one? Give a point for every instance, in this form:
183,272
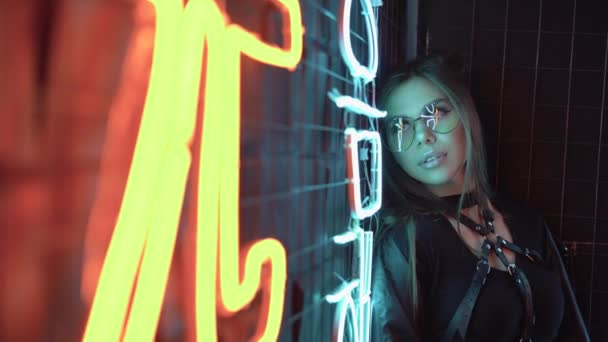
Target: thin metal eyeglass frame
431,119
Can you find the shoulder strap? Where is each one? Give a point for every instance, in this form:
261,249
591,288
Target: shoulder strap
459,323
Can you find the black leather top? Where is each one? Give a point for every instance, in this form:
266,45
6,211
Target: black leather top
445,270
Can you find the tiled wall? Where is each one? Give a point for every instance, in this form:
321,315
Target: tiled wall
538,76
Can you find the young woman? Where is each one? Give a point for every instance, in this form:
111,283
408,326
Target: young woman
454,261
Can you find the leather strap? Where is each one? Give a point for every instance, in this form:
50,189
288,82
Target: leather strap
479,228
523,286
531,254
459,323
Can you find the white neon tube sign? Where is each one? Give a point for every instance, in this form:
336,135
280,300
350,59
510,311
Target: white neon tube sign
353,297
346,49
353,137
355,105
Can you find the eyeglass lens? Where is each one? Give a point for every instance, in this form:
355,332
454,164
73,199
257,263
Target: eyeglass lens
401,130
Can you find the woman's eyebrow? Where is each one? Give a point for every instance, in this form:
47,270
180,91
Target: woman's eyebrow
423,110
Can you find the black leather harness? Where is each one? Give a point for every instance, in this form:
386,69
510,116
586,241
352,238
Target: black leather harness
459,323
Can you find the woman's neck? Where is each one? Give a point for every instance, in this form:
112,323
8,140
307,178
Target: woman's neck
446,190
453,187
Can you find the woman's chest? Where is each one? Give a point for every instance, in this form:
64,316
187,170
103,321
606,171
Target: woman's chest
474,241
498,312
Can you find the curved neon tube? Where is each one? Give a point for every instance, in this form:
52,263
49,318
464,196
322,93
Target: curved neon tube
353,137
356,69
355,105
359,309
149,215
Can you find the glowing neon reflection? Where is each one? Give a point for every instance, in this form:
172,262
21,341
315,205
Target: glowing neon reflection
365,250
359,309
344,238
147,223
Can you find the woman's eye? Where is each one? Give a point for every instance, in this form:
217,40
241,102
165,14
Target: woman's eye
443,111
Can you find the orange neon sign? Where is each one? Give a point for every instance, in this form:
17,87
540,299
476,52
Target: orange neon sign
139,256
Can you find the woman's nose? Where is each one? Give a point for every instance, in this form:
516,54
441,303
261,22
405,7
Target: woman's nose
424,133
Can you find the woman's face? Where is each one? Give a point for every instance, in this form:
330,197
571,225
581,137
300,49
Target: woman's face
435,159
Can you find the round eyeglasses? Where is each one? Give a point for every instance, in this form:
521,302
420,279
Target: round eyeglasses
400,130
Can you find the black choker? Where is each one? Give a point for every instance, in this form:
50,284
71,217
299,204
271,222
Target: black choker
468,201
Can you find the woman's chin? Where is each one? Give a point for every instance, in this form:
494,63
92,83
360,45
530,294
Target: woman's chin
441,180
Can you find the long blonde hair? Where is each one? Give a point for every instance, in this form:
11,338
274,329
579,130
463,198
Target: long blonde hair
403,196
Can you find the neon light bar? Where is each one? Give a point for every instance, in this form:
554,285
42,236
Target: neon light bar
364,253
342,292
355,105
360,309
356,69
346,305
345,238
353,137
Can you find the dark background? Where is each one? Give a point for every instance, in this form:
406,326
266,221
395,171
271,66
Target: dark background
537,72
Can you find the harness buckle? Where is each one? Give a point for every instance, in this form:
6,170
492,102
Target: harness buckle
486,264
529,255
511,268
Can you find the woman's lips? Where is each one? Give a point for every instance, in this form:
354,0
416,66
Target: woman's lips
433,160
